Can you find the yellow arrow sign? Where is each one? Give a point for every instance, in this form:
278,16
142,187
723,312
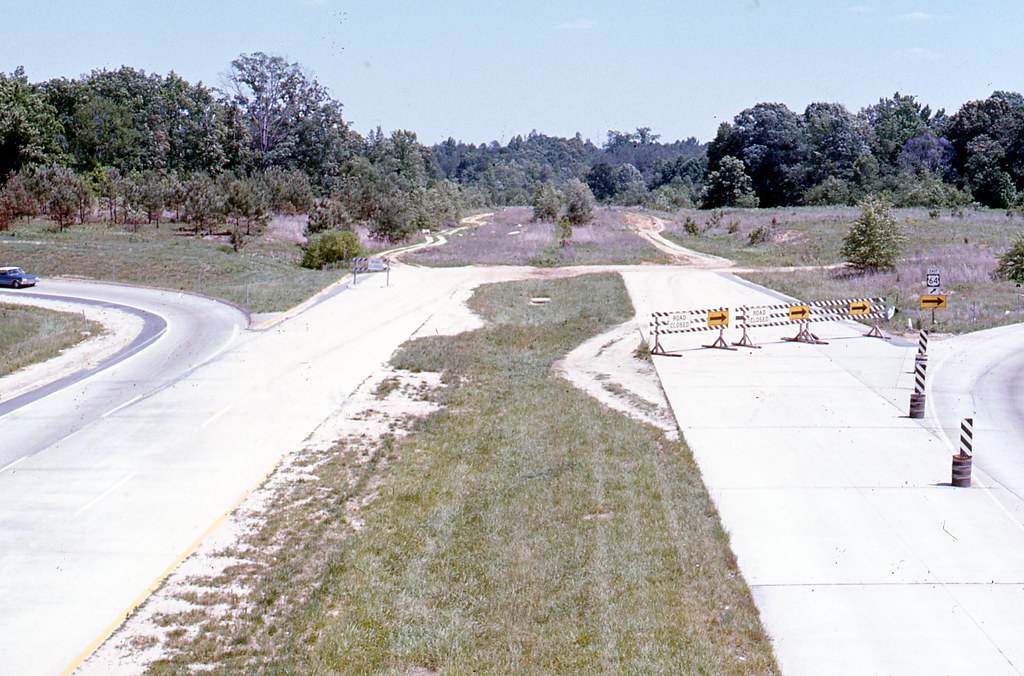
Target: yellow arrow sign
861,307
933,301
798,312
718,318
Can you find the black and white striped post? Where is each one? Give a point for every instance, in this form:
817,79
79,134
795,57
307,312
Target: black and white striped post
917,398
922,347
962,461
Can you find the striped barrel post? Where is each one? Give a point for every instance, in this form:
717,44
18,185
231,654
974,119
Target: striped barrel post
922,342
967,436
962,462
919,371
917,398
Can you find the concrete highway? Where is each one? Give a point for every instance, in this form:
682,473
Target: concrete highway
110,482
860,556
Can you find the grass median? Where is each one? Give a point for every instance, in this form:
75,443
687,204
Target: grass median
523,528
29,335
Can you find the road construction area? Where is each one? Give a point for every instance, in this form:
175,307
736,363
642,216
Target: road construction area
860,555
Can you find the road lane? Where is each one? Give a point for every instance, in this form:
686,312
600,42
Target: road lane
96,518
860,557
180,332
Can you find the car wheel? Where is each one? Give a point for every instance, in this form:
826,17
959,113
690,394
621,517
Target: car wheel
16,283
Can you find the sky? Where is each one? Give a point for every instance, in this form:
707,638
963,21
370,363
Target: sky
484,70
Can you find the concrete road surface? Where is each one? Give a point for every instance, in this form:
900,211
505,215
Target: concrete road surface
97,511
861,558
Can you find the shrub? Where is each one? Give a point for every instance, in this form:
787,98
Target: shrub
874,240
328,248
545,202
1011,263
579,202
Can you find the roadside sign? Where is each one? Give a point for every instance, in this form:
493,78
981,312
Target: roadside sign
718,318
861,307
679,321
757,315
377,264
933,281
798,312
933,301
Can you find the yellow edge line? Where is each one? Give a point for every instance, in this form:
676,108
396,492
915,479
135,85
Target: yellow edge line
112,627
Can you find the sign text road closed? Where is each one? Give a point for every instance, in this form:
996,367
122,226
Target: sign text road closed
678,321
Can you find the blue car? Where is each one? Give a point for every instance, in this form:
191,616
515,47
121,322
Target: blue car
16,278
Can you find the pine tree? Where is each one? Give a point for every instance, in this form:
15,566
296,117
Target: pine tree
874,241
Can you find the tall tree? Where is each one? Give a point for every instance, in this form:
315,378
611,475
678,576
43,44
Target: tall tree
292,121
30,133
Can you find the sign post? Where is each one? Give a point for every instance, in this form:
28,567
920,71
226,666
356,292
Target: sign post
933,280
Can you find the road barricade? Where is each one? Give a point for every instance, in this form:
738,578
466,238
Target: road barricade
748,317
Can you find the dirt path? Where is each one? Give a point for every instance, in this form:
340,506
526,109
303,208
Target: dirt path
651,227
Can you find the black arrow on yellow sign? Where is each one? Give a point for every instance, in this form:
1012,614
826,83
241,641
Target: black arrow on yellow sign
798,312
860,308
719,318
933,301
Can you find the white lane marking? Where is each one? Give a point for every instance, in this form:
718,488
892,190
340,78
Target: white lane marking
217,415
121,407
104,494
12,464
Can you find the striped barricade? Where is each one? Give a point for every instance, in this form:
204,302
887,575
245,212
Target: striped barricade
687,321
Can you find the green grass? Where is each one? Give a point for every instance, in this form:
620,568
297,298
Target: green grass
264,276
29,335
523,528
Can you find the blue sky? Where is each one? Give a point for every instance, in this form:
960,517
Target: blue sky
487,70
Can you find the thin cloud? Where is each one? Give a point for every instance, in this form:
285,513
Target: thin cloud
578,25
860,9
921,17
918,54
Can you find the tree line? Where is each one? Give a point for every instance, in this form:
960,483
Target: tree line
132,147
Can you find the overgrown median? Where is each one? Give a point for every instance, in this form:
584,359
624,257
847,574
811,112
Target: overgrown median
523,528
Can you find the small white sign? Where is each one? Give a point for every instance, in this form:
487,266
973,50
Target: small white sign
679,321
757,315
932,280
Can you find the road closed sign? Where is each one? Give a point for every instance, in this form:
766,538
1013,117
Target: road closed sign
757,315
678,321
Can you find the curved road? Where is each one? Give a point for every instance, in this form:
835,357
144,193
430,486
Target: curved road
65,457
139,462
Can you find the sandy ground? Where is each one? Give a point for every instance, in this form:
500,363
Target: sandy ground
119,329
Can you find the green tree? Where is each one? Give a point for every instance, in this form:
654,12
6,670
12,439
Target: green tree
328,215
875,240
579,202
291,119
30,132
1011,263
729,186
546,202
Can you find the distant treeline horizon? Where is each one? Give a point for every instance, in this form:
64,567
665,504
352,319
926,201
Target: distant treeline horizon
274,139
